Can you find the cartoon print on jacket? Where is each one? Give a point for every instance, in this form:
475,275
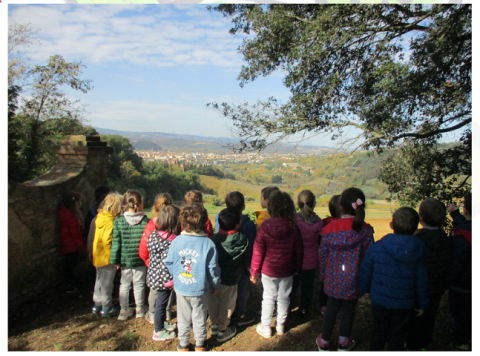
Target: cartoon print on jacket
186,262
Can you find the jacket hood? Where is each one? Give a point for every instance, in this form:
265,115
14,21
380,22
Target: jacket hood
103,218
134,218
234,244
338,234
278,228
166,236
64,214
403,248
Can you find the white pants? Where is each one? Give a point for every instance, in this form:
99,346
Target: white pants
102,294
275,290
137,276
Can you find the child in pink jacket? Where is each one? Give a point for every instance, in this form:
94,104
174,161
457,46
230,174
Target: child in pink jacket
310,226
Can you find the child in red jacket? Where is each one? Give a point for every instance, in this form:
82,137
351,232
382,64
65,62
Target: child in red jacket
70,223
277,256
161,200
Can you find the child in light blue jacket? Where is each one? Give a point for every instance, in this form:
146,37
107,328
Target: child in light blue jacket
193,262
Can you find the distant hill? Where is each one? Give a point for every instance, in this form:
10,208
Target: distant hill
193,143
144,145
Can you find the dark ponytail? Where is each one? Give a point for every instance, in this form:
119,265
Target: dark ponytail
353,203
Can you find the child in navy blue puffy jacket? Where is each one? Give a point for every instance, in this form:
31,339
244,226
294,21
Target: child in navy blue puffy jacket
394,276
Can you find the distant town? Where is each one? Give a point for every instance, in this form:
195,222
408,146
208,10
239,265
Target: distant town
214,159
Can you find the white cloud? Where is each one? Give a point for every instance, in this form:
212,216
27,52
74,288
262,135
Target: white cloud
148,35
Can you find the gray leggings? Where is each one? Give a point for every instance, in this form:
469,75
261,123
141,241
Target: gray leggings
348,314
152,299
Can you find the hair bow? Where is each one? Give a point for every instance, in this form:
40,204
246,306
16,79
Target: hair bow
357,203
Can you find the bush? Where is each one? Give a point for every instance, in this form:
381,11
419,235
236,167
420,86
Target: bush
249,198
212,199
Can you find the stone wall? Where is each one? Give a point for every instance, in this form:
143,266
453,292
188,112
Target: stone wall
34,261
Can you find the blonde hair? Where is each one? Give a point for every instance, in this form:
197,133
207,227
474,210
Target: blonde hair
306,204
161,200
112,204
193,196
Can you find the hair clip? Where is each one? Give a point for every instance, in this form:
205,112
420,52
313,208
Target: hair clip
357,203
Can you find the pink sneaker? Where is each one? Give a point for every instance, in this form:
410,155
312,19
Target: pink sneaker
350,344
322,346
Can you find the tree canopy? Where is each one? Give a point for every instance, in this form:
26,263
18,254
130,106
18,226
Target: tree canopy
400,73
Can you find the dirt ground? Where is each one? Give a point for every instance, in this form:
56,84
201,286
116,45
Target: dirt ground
56,321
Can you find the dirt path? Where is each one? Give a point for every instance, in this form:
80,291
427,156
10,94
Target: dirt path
57,321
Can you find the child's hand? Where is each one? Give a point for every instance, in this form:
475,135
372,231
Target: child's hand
419,312
118,266
253,279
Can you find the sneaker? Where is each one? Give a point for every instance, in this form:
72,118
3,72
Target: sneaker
242,321
263,332
183,348
322,346
350,344
226,334
108,312
96,308
163,335
214,329
280,329
201,348
169,326
150,317
140,312
126,313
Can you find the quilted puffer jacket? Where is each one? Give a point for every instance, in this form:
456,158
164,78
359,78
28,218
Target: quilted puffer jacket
278,249
310,237
394,272
70,231
439,254
341,253
142,248
127,232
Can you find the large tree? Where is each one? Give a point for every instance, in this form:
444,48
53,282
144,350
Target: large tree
400,74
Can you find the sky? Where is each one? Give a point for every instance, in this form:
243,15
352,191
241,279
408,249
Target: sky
153,67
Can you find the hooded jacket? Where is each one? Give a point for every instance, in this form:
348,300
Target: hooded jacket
341,253
102,241
70,232
232,249
278,249
248,229
460,272
439,253
261,216
127,232
394,272
311,237
158,245
142,247
192,260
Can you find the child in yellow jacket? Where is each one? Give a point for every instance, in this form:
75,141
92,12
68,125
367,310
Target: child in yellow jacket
262,215
102,244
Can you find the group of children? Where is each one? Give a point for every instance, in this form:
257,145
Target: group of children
404,274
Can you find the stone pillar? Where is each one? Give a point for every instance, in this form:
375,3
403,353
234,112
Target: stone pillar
34,262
